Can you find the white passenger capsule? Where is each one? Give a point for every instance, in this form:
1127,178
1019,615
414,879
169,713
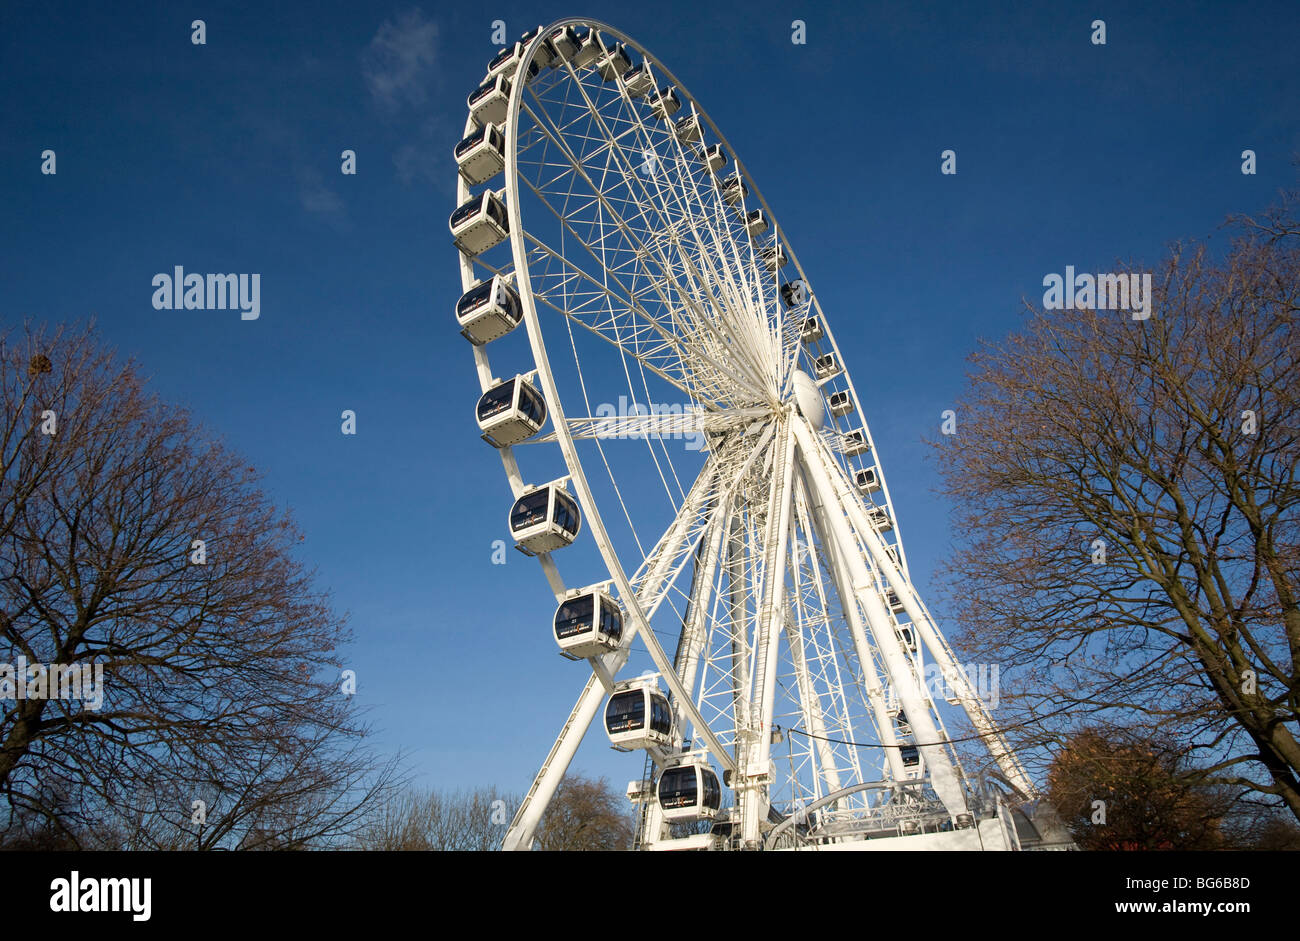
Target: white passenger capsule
826,366
480,223
714,157
488,310
638,81
773,256
688,128
689,791
840,403
510,412
613,61
545,54
879,518
639,717
489,102
590,49
867,480
855,443
588,623
664,103
796,293
564,42
506,63
544,519
481,155
896,605
755,222
811,330
734,191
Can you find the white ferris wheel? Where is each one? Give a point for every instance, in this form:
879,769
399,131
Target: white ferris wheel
677,422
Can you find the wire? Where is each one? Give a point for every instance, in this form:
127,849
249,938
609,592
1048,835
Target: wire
943,741
974,738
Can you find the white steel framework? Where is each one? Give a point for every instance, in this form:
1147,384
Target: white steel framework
722,462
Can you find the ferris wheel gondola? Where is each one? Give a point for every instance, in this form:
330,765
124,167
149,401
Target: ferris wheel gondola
640,717
689,791
507,62
563,42
481,155
867,481
734,190
480,223
489,102
510,412
688,128
614,60
588,623
544,519
639,80
664,103
840,403
810,331
488,310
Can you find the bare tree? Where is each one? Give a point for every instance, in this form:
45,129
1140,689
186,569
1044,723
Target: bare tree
133,542
436,820
1128,500
585,814
1256,827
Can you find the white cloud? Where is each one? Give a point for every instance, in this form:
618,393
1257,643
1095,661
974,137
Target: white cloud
398,62
317,198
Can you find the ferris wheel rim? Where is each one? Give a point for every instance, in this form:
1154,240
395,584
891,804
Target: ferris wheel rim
522,274
823,468
610,556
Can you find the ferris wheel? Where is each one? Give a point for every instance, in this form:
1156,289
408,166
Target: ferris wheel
692,468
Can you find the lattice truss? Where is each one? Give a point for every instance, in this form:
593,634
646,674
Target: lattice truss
823,686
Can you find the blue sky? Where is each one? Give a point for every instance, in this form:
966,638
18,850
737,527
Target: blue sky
225,157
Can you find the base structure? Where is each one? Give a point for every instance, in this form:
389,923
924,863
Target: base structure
926,801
